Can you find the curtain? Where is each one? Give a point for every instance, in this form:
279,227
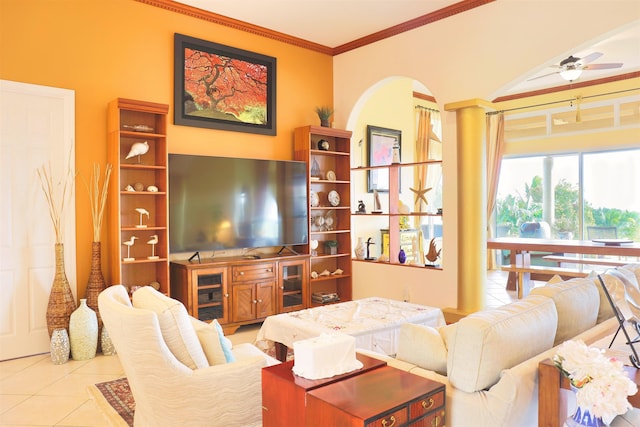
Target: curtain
495,150
428,147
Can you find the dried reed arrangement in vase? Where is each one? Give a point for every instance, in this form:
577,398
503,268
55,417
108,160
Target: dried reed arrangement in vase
98,198
55,201
61,302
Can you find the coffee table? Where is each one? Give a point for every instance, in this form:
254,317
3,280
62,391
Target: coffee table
374,322
380,397
284,394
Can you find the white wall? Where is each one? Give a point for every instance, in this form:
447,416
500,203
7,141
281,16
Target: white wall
470,55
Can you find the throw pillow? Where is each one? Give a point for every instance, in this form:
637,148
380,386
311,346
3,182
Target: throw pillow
422,346
210,341
175,325
225,342
555,279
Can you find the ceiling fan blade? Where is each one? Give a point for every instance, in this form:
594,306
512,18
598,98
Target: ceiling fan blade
544,75
602,66
590,58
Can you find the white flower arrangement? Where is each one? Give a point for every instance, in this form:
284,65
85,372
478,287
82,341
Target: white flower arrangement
601,382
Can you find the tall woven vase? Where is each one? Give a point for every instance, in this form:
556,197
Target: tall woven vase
61,302
96,285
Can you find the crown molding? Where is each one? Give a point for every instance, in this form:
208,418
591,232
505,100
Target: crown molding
420,21
215,18
578,85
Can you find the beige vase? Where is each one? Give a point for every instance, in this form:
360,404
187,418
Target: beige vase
61,303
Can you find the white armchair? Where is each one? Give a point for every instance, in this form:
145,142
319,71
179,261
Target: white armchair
166,391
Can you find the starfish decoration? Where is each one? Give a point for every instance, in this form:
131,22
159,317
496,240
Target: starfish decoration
420,195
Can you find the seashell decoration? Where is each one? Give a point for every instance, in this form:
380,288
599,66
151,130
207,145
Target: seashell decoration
152,189
138,186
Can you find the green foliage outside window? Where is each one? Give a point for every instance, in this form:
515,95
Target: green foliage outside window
526,206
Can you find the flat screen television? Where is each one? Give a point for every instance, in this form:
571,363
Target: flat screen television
221,203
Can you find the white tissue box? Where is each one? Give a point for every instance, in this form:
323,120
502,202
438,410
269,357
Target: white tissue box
325,356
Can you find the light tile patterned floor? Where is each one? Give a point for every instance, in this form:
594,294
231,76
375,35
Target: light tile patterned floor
34,392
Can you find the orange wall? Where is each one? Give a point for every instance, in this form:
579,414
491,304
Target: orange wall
122,48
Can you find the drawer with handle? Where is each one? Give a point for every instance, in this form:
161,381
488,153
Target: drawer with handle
252,272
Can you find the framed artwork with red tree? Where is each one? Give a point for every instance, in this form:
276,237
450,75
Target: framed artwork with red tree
222,87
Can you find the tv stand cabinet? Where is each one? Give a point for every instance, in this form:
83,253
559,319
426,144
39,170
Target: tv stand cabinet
241,290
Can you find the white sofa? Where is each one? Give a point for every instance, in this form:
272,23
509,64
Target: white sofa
489,360
182,372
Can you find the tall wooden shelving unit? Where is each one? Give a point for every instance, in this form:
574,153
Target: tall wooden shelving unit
130,121
328,222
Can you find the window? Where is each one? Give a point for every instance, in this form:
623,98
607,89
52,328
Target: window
579,196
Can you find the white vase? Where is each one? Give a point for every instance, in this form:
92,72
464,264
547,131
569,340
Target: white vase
360,249
59,346
83,332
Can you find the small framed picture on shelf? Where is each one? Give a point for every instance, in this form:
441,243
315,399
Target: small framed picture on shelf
381,145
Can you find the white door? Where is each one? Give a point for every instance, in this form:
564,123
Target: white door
36,129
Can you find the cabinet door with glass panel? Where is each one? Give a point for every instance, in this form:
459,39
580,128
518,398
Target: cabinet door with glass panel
293,283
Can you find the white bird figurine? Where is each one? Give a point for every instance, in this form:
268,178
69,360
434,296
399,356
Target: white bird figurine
138,149
128,244
153,242
142,211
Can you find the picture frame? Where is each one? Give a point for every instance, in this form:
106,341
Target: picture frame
380,142
203,98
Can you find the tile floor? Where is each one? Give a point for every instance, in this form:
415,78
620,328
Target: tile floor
34,392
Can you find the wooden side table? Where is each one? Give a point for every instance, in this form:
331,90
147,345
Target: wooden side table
550,381
383,397
284,394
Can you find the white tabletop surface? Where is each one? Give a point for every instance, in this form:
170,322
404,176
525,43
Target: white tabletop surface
374,322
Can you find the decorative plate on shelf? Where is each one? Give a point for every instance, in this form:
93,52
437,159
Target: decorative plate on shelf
314,200
331,176
334,198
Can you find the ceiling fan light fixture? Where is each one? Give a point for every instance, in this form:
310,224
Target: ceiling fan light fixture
571,74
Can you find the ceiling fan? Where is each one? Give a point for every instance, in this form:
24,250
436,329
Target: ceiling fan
571,68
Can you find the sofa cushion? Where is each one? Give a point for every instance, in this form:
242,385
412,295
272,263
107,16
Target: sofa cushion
577,301
210,342
485,343
175,325
616,290
423,346
632,273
